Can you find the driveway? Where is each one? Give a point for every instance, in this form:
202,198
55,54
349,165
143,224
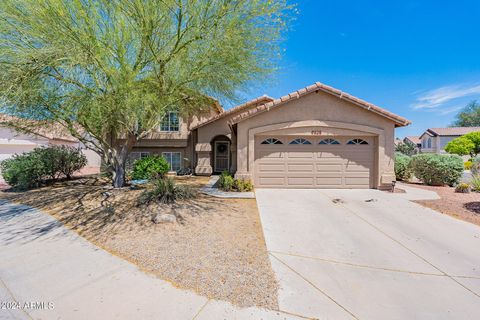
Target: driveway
367,254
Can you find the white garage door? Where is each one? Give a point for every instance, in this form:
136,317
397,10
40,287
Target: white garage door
314,162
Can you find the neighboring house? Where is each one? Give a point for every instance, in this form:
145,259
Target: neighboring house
413,141
316,137
434,140
13,142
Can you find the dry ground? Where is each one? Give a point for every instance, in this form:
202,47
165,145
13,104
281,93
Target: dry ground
464,206
216,249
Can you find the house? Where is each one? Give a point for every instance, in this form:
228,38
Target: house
434,140
315,137
413,141
13,142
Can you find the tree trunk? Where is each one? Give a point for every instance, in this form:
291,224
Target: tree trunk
118,161
118,178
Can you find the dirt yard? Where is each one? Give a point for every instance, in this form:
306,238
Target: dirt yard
216,248
464,206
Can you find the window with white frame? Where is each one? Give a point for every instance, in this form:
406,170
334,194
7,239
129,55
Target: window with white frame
174,159
170,122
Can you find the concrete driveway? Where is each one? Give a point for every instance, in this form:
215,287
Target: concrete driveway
367,254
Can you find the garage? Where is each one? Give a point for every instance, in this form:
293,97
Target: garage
315,137
314,162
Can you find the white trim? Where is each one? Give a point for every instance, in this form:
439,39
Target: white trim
168,114
215,155
173,152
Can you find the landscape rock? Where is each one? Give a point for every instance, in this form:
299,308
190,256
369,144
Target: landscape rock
164,218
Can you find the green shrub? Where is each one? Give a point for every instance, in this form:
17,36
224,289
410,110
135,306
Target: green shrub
475,168
23,171
402,168
29,169
69,160
226,181
242,185
165,190
467,165
475,182
462,188
435,169
150,167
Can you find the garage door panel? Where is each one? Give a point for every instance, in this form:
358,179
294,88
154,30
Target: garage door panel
314,166
298,181
266,181
329,181
329,167
271,155
300,155
300,167
271,167
329,155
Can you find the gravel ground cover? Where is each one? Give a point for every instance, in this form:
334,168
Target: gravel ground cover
464,206
215,248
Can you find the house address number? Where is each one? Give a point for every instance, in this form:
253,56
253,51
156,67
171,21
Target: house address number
316,133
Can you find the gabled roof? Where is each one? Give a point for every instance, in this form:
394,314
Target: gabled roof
244,106
413,139
399,121
451,131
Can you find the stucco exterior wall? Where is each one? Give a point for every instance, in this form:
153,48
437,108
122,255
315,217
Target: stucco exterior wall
327,114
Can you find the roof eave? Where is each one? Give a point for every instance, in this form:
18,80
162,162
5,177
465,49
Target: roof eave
399,121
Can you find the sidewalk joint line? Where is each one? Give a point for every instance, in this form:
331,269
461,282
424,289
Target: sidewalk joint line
313,285
404,246
13,297
371,267
201,309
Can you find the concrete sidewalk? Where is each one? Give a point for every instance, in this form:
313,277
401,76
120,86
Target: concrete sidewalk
67,277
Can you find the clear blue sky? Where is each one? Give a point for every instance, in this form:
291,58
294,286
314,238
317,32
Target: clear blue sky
419,59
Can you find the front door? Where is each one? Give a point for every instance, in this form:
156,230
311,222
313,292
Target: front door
222,156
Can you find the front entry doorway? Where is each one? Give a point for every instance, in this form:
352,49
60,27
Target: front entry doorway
221,156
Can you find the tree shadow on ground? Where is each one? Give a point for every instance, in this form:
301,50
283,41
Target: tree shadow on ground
93,209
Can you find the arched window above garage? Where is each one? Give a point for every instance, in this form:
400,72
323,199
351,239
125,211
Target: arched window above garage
271,141
329,141
357,141
300,141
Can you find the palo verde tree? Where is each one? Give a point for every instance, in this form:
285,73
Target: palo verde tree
468,144
108,70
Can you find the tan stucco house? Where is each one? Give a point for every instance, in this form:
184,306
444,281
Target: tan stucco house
315,137
434,140
13,142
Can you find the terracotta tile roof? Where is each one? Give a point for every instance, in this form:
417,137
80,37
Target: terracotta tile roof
244,106
451,131
52,131
414,139
399,121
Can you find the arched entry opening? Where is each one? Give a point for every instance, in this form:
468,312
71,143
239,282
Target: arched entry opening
221,158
